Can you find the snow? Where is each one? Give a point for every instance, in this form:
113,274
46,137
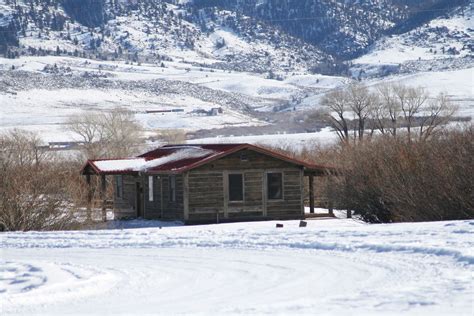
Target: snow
295,141
458,85
6,15
423,43
133,164
182,153
332,266
45,110
141,164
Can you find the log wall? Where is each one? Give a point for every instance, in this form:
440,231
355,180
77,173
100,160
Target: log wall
126,205
208,195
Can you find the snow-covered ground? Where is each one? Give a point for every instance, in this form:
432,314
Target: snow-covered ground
44,109
457,84
332,266
295,142
430,41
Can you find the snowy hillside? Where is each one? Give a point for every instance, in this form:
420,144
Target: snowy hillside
155,31
186,58
333,266
442,44
70,85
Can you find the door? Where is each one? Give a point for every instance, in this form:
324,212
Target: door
139,199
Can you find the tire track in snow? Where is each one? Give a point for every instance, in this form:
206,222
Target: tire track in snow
25,286
276,281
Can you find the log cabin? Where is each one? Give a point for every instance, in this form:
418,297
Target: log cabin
207,183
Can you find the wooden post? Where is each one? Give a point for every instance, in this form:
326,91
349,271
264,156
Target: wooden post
89,197
186,196
330,197
225,175
103,195
311,194
264,194
161,198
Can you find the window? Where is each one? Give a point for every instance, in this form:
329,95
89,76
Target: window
119,187
275,186
172,188
236,187
150,188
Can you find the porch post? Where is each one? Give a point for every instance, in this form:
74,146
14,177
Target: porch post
89,197
186,196
103,187
311,194
331,197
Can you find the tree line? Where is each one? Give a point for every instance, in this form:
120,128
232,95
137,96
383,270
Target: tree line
400,157
357,112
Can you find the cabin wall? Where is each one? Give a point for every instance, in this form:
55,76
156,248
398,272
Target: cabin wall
292,203
125,205
171,210
153,209
208,194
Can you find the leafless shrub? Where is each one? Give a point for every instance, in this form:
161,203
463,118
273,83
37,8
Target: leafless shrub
33,186
394,179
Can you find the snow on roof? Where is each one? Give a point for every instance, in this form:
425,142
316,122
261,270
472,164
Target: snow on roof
182,153
179,158
145,164
133,164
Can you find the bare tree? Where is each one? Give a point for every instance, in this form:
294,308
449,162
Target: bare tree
387,109
25,148
437,114
361,103
387,112
89,128
112,134
411,101
355,100
122,134
337,102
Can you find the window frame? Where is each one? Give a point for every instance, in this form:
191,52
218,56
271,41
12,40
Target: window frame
243,186
267,184
151,190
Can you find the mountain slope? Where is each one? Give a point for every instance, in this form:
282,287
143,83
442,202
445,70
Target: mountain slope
444,43
144,31
343,29
259,36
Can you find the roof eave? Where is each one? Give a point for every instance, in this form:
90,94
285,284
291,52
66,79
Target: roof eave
99,172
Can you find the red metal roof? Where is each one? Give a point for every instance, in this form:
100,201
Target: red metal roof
176,158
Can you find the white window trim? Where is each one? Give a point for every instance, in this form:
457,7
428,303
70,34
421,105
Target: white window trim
150,188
